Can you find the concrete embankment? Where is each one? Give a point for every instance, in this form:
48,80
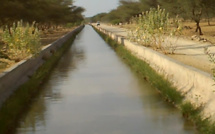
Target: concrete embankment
195,85
21,72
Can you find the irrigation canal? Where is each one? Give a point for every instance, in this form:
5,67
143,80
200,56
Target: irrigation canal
91,91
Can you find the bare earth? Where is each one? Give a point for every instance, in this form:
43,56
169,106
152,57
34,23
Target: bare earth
195,56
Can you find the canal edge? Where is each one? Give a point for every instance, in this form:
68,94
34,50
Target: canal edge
196,89
21,72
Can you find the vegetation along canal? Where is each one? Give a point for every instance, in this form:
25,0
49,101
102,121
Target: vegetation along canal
91,91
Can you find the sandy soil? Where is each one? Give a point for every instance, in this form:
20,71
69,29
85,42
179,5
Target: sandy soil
197,60
207,30
192,61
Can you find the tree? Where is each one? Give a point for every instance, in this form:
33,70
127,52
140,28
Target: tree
124,12
76,15
194,9
208,9
98,17
172,6
149,3
41,11
189,9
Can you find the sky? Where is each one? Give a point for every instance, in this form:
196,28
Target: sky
94,7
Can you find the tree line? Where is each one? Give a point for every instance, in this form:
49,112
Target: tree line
23,20
44,12
195,10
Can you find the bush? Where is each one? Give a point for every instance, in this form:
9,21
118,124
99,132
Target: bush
70,25
21,41
116,21
151,28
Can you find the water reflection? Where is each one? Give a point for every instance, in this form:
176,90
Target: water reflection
37,113
92,92
35,116
71,59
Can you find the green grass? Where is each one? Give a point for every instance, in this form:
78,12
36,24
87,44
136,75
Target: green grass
18,103
205,126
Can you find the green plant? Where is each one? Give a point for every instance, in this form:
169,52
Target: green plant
189,111
70,25
206,126
116,21
153,27
21,41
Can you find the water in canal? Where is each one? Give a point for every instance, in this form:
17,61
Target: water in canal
91,91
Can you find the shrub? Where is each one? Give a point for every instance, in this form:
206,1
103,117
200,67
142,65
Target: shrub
116,21
70,25
21,41
153,27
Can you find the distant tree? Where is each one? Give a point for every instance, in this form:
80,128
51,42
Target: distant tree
113,17
172,6
42,11
194,10
76,14
149,3
124,11
208,9
98,17
189,9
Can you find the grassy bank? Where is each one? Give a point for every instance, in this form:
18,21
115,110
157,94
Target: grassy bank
168,92
18,103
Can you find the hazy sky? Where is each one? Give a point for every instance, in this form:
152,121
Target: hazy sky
94,7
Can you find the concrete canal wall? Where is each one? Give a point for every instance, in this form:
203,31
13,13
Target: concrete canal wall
20,73
195,85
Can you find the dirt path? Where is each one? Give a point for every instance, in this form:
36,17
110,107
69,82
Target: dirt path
193,53
187,51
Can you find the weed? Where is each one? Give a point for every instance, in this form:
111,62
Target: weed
152,29
190,112
21,41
